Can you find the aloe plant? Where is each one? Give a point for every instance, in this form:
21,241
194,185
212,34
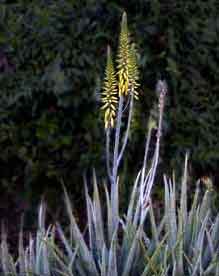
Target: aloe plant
36,258
186,242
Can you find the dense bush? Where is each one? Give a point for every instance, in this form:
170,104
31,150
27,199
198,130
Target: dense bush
51,60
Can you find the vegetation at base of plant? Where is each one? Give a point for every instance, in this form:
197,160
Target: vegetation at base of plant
184,241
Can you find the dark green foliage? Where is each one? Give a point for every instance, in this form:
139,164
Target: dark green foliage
52,55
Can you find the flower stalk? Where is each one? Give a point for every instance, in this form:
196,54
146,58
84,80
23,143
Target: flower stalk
119,92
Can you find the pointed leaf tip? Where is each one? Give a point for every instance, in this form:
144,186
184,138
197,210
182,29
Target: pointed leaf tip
108,50
124,18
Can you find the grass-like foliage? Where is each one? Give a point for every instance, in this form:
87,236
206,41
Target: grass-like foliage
184,241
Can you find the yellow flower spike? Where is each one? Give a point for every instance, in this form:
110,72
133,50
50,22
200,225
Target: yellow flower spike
123,57
133,71
109,94
128,73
